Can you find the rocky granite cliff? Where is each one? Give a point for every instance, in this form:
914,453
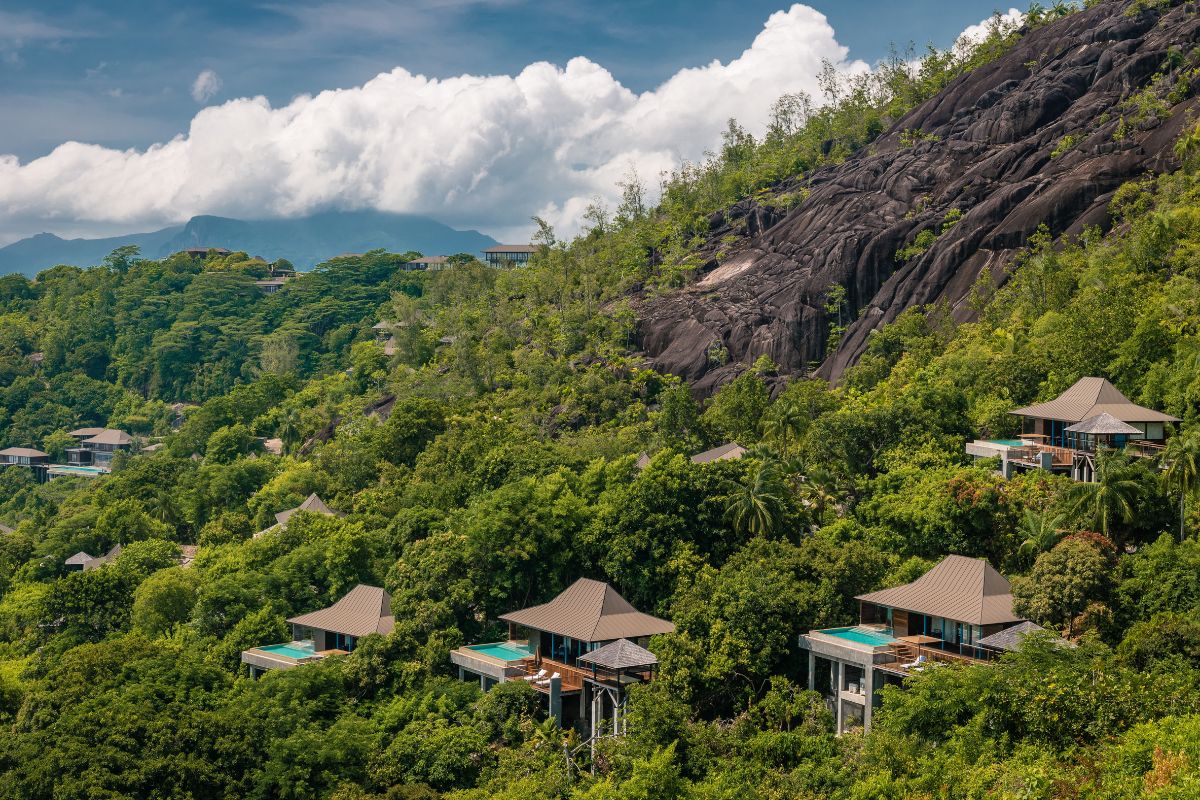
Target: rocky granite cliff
1043,135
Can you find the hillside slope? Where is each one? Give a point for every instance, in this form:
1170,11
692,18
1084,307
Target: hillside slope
1043,135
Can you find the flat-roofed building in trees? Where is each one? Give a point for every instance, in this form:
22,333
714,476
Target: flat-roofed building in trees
509,255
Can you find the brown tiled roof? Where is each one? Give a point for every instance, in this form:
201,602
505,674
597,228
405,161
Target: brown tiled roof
79,559
959,588
27,452
311,503
431,260
4,529
1089,397
643,460
621,654
100,561
362,611
87,432
108,436
590,611
725,452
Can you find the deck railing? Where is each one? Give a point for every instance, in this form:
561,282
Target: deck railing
572,677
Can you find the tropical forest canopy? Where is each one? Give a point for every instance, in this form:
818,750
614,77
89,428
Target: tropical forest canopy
506,469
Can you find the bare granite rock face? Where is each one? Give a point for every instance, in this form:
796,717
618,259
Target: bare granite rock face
987,150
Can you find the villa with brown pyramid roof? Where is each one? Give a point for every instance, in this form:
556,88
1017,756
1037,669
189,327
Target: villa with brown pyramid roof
312,504
943,616
335,630
1064,434
582,650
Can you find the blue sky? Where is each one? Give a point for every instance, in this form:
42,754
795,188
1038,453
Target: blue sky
132,116
121,73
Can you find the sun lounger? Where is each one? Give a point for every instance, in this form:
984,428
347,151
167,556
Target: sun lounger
541,673
546,682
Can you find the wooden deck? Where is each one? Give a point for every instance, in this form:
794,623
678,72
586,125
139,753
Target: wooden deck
572,677
907,655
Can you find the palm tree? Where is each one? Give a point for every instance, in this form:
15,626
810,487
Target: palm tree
818,491
289,430
756,505
785,424
1108,500
1041,529
1181,462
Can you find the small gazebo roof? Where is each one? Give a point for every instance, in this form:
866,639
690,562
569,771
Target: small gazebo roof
1103,424
621,654
1010,638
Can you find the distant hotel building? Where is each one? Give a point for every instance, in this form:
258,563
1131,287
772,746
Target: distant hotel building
509,255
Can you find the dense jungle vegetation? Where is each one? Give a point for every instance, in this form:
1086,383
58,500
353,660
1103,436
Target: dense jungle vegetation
506,470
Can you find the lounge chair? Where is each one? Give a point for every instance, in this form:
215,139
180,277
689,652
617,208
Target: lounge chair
920,662
546,681
541,673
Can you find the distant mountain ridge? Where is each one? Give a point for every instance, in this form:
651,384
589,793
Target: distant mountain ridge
305,241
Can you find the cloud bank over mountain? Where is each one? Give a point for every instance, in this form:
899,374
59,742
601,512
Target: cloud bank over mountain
481,152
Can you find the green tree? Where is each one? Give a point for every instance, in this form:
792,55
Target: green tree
164,599
1040,530
1181,459
756,505
1108,502
1063,582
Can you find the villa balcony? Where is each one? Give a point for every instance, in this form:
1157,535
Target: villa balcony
572,677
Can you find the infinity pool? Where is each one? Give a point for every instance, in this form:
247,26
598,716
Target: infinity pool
293,651
868,636
505,651
1008,442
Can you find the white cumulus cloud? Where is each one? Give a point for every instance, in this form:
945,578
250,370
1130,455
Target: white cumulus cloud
206,85
980,30
477,151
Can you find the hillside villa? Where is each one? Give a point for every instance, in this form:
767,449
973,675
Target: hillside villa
23,457
91,455
335,630
93,452
960,611
1064,434
508,255
582,650
312,504
428,262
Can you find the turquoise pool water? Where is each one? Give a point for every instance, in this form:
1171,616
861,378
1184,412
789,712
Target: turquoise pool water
289,651
868,636
505,651
1008,442
89,472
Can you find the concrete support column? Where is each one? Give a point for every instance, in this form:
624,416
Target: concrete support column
839,670
869,684
812,670
483,683
462,674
